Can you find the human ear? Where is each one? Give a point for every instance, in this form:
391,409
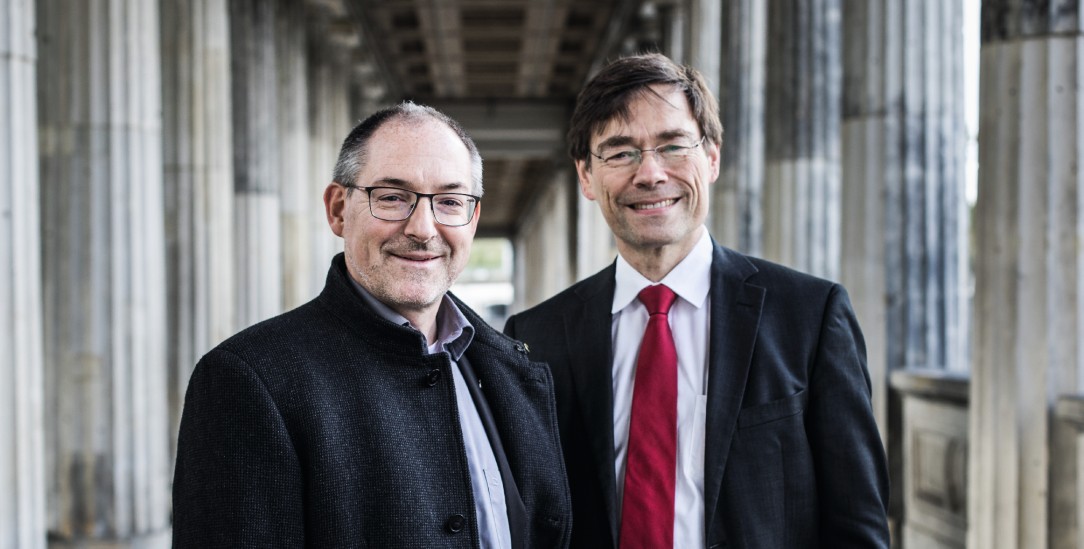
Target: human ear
335,206
583,173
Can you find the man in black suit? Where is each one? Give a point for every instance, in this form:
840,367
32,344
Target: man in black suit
767,437
384,413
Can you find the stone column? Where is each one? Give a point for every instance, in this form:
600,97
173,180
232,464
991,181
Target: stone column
705,40
329,124
22,500
256,150
197,138
104,283
595,246
802,155
296,190
903,210
671,19
737,209
323,152
543,264
1029,275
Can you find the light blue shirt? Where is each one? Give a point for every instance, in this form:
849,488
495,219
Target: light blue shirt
454,334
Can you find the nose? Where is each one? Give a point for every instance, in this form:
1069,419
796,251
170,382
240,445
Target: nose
421,226
650,170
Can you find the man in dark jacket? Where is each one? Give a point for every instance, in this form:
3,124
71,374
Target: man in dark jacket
705,398
384,413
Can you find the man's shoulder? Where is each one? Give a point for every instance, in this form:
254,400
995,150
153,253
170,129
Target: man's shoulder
600,284
763,272
265,338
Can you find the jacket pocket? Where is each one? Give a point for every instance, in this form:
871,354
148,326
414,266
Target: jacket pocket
773,411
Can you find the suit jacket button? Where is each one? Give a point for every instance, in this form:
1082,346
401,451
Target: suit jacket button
433,377
455,523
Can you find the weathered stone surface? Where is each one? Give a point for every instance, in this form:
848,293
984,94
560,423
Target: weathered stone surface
256,147
198,182
22,460
103,262
737,205
1029,288
802,183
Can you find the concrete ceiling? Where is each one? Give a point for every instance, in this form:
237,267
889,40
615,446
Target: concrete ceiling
508,70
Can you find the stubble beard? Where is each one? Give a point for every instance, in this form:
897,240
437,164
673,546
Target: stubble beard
413,289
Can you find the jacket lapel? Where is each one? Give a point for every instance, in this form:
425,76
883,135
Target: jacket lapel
587,329
735,317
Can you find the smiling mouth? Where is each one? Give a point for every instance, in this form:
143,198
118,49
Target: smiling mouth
654,205
416,259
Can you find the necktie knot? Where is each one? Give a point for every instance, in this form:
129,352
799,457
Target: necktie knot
657,299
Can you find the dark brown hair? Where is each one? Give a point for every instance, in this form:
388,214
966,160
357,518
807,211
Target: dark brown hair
607,96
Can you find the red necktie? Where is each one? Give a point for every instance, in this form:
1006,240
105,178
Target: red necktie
647,511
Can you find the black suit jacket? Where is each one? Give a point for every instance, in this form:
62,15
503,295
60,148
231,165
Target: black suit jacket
329,426
793,458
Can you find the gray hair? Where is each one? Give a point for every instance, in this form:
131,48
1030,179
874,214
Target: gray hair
354,151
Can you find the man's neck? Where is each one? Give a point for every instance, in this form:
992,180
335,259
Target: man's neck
657,262
424,320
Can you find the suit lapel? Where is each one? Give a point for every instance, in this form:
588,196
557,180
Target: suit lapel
735,318
588,331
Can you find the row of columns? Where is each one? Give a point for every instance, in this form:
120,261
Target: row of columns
176,138
850,165
887,215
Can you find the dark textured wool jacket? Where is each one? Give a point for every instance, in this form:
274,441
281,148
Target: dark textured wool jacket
329,426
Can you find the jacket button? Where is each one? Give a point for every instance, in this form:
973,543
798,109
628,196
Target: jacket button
433,377
455,523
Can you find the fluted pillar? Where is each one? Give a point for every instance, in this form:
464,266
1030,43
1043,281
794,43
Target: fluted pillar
802,174
672,20
256,183
705,40
296,195
544,266
326,129
737,203
903,254
198,174
1029,276
904,212
104,282
22,500
595,246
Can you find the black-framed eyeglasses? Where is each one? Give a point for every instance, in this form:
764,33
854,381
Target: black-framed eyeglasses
395,204
670,154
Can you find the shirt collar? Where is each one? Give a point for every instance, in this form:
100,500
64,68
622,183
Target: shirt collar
690,279
454,331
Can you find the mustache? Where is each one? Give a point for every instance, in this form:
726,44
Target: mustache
434,246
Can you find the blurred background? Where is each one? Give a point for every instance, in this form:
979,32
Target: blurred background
162,164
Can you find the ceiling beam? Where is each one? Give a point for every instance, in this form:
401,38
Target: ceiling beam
512,129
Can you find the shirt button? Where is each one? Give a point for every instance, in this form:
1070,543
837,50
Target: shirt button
455,523
433,377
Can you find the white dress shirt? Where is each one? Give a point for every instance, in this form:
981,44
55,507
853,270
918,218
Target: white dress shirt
689,318
454,334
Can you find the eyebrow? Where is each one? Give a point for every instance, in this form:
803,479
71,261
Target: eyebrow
396,182
622,140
